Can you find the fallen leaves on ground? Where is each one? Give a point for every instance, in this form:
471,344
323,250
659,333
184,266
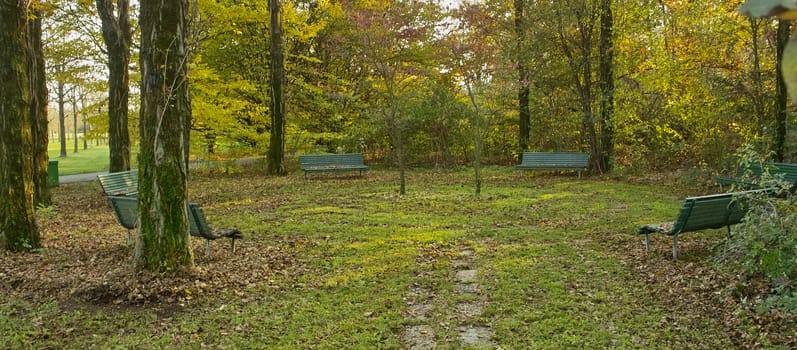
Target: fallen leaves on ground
85,259
695,287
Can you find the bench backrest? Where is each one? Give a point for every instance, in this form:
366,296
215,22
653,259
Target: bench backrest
198,224
555,158
119,183
126,210
788,171
712,211
345,159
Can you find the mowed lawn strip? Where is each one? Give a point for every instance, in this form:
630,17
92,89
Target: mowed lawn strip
545,247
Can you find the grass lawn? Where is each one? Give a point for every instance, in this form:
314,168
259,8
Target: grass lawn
335,262
91,160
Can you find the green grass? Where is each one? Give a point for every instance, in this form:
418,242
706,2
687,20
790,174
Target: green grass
548,270
94,159
91,160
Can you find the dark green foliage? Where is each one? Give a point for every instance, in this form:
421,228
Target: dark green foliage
765,243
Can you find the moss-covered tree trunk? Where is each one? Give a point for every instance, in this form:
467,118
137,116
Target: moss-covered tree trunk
18,229
38,111
781,95
163,242
117,35
276,149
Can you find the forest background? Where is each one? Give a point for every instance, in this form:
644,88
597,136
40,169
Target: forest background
693,80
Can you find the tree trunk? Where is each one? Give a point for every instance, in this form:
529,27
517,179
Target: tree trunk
606,73
276,149
117,35
757,93
74,122
524,113
781,95
38,112
62,118
18,231
163,242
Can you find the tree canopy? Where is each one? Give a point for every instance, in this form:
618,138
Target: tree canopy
691,83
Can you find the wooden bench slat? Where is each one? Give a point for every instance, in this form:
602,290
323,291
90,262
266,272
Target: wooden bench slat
703,212
749,176
123,183
577,161
332,162
126,212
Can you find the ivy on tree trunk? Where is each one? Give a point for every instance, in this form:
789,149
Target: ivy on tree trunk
163,242
18,231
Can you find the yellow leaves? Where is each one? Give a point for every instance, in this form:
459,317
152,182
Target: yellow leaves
784,9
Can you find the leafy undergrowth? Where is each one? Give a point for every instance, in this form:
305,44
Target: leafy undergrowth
327,262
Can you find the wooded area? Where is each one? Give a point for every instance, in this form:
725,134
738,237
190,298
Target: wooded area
635,90
641,85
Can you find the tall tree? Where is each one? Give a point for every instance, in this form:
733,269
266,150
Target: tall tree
389,37
578,50
117,34
38,106
606,82
276,148
475,58
524,114
781,95
18,231
163,240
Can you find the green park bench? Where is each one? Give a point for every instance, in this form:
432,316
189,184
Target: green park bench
126,211
577,161
310,163
701,213
123,183
749,175
200,228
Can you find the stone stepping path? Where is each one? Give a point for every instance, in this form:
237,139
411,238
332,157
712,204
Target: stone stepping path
421,307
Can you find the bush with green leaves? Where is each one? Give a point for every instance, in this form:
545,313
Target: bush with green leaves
764,245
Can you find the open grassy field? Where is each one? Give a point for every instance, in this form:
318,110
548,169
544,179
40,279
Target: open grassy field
538,261
91,160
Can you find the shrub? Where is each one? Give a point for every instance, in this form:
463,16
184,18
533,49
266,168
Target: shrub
765,245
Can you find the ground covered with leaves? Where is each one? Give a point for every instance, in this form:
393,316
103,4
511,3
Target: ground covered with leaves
327,262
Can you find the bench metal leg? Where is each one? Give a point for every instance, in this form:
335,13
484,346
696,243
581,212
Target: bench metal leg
129,238
675,247
207,247
233,245
729,231
647,243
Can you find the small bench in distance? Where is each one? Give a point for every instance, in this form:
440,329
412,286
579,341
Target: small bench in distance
310,163
577,161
